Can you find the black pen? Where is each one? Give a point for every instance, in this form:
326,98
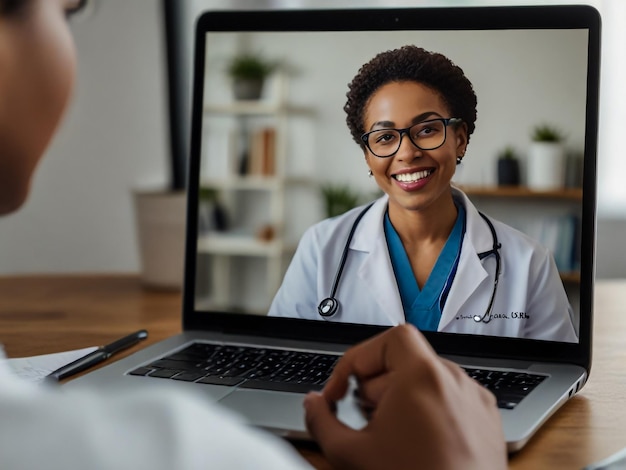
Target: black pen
97,356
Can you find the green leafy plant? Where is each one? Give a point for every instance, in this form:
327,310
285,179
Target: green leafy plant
250,67
207,194
508,153
547,133
339,199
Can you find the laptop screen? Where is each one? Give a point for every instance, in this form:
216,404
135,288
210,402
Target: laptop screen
487,231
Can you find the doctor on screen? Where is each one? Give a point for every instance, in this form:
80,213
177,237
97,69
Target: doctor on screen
422,253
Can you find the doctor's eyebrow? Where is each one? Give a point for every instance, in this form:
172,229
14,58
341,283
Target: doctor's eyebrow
417,119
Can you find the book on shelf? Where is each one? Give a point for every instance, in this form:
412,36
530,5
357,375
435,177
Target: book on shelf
262,155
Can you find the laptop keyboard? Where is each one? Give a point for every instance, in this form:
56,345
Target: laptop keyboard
509,387
247,367
298,371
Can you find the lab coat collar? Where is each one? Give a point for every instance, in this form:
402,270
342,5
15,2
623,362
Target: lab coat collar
372,223
471,272
370,238
469,276
475,226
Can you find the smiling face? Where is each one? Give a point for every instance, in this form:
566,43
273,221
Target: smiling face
36,75
414,179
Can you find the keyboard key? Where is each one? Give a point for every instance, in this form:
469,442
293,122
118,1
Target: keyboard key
188,376
169,364
274,369
281,386
510,388
141,371
164,373
214,380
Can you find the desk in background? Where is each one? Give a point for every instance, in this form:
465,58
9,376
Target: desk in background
45,314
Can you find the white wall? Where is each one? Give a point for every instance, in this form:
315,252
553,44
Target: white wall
79,216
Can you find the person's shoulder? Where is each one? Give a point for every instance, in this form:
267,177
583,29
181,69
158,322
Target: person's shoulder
513,233
514,239
168,426
520,245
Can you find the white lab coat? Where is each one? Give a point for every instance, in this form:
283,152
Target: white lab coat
530,301
136,428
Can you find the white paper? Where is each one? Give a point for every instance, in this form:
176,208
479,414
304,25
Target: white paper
35,368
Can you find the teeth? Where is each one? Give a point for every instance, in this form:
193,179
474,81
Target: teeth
412,177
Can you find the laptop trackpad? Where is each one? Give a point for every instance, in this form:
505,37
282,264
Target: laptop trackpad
283,412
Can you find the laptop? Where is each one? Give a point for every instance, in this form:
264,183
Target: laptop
260,169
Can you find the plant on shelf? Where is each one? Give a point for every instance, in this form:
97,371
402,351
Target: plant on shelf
249,72
546,133
546,158
339,199
508,167
211,212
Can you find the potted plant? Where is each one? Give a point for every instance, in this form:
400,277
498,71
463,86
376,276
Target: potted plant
508,167
546,158
160,212
248,72
339,199
211,212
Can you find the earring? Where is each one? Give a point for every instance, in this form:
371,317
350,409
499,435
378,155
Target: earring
369,173
459,158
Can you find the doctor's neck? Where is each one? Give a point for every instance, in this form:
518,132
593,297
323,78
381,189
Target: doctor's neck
427,222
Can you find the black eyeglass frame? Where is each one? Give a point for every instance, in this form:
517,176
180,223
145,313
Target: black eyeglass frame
402,132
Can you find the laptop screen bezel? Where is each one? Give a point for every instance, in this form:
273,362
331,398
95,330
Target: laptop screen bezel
435,19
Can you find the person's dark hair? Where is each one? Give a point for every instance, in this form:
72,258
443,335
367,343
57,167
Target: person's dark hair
9,7
410,64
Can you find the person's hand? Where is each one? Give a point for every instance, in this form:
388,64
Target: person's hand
425,411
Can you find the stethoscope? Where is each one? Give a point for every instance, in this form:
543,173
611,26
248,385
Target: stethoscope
329,306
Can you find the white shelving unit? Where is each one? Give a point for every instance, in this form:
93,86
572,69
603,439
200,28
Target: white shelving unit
256,203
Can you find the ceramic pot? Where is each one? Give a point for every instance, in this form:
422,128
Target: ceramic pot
247,89
161,217
508,172
546,166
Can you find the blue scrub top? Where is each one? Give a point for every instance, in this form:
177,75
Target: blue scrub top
423,308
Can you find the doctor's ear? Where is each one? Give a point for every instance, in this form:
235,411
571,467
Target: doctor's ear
461,138
369,169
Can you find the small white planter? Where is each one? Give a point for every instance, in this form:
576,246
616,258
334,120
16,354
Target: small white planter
546,166
161,217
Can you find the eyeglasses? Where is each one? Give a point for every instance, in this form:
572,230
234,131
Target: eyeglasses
425,135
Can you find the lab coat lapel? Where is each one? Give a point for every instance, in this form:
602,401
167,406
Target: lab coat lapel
376,272
470,272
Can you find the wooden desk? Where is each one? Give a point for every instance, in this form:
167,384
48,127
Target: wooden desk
45,314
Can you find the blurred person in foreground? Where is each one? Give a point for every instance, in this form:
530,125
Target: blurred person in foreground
424,411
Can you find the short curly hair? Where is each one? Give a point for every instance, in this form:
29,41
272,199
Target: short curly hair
410,64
